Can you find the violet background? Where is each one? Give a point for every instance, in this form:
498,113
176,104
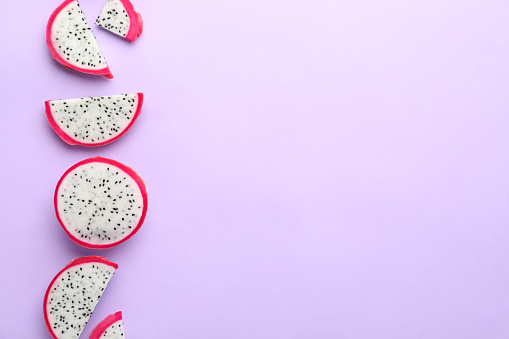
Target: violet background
315,169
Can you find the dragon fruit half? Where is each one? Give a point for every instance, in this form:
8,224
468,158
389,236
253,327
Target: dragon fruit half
111,327
119,17
100,202
73,295
71,41
94,121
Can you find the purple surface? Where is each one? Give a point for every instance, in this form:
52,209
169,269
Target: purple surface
315,169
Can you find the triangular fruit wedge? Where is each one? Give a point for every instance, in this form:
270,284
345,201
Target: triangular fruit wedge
100,202
71,41
119,17
93,121
73,295
111,327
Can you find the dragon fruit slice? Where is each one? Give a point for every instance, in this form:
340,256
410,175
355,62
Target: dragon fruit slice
73,295
71,41
111,327
119,17
100,202
93,121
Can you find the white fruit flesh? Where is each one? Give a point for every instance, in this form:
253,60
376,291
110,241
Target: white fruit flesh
99,203
73,39
96,119
115,331
114,18
73,297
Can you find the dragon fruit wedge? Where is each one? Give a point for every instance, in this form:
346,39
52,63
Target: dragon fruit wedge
93,121
71,41
100,202
119,17
73,295
111,327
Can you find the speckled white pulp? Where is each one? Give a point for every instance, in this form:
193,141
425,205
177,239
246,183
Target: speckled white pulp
99,203
74,296
73,39
115,331
114,18
95,119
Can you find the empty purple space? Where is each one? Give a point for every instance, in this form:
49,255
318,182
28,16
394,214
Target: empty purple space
325,169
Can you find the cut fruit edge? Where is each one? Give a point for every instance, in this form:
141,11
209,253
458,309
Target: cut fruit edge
68,139
103,71
140,24
136,26
139,181
98,331
72,263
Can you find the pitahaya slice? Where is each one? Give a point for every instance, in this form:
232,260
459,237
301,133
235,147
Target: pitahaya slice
73,295
71,41
100,202
111,327
94,121
119,17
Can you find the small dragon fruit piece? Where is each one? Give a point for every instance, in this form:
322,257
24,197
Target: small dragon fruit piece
100,202
73,295
119,17
71,41
93,121
111,327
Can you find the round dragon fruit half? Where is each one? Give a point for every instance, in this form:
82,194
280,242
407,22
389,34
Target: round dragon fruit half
71,41
119,17
100,202
73,295
112,327
93,121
